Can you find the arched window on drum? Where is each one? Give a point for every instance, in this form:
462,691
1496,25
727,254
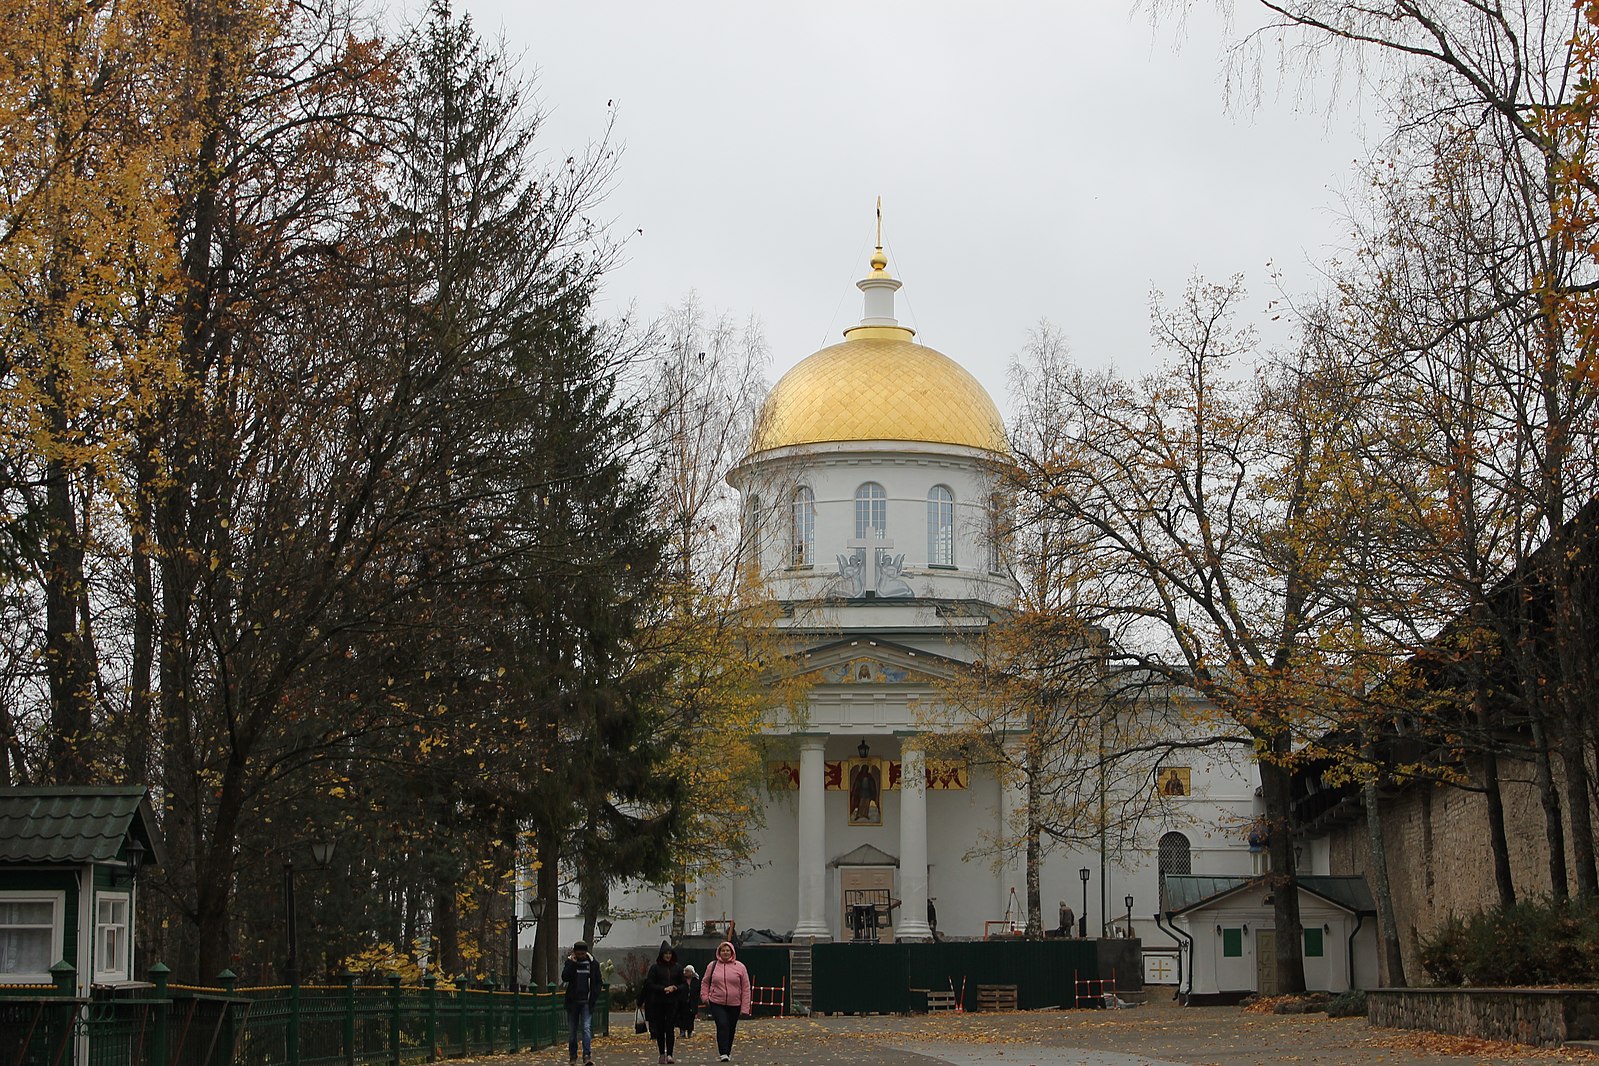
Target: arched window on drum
802,527
871,510
750,549
940,526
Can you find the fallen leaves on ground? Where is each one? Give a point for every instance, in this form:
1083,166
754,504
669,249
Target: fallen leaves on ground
1428,1042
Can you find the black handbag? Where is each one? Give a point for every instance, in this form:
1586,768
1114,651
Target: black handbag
639,1024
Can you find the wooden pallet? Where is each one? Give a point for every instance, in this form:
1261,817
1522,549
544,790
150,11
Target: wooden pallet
996,997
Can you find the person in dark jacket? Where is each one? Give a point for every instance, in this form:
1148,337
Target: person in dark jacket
691,1005
581,975
664,994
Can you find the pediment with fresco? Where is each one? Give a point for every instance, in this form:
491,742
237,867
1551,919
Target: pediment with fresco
871,662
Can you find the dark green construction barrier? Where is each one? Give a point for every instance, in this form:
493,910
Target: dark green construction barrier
893,978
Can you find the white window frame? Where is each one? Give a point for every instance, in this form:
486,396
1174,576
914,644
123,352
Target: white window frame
871,503
802,528
940,526
58,933
102,975
996,534
752,536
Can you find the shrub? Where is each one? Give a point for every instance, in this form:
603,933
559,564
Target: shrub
1349,1004
1305,1003
1534,942
1443,955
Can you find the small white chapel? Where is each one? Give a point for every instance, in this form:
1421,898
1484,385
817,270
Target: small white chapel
868,496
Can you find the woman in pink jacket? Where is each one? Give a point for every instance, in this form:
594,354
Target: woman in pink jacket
725,990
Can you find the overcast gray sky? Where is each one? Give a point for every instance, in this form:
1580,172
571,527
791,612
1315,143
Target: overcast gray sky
1036,160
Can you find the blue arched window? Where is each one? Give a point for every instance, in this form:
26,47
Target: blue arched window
871,510
802,527
940,526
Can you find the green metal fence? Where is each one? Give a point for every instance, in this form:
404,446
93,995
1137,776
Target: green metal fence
349,1024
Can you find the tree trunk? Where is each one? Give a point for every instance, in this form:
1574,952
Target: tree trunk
1284,884
1554,825
66,658
136,736
679,904
214,879
1391,954
1573,759
13,771
1035,858
446,933
1498,840
546,948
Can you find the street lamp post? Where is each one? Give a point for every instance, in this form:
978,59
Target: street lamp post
1128,899
1082,920
322,855
529,917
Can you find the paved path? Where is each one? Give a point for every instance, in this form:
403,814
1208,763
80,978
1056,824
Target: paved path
1151,1035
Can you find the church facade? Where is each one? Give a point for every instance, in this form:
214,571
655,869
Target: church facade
870,509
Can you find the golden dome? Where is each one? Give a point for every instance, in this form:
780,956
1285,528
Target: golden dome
879,385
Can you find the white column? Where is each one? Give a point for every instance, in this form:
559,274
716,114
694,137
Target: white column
1012,815
811,922
912,924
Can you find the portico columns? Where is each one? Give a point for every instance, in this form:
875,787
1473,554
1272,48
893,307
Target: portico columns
912,924
811,921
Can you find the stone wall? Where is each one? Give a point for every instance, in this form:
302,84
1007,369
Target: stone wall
1439,864
1525,1015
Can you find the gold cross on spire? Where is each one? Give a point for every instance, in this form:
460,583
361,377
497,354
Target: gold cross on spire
879,260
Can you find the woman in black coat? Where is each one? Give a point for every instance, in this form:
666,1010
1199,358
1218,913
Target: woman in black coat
665,992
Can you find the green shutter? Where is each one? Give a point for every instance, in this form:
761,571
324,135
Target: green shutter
1313,945
1232,943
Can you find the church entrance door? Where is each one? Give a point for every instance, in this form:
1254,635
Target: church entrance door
867,893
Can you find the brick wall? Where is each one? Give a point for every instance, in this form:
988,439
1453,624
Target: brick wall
1438,857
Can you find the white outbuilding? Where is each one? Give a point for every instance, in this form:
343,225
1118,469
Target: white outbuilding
1226,928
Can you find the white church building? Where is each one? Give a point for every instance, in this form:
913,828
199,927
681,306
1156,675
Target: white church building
868,494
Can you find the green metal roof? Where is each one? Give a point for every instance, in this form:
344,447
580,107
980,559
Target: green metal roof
71,825
1349,892
1187,891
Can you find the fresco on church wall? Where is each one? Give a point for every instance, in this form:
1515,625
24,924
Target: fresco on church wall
941,775
865,792
863,672
1174,781
781,776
